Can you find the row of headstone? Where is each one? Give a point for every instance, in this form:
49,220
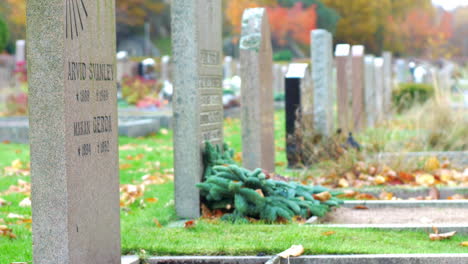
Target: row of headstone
73,120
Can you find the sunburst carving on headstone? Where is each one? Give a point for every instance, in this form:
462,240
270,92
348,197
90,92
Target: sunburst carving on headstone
74,15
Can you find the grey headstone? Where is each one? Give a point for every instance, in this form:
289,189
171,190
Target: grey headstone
258,141
344,86
379,88
369,90
358,92
322,62
197,102
73,131
388,82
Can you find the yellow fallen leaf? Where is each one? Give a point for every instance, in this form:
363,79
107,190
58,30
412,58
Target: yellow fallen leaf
464,244
432,164
435,237
125,166
323,196
379,179
293,251
17,164
425,179
343,183
164,131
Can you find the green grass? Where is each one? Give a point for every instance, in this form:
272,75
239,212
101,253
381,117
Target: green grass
139,230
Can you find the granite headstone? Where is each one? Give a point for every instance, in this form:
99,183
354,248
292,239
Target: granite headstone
322,60
197,102
257,114
344,86
73,131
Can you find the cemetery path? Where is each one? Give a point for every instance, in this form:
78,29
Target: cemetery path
408,216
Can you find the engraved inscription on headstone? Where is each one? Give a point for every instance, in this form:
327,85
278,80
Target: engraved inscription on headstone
73,131
197,101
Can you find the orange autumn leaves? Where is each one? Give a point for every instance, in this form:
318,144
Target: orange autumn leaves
433,173
295,22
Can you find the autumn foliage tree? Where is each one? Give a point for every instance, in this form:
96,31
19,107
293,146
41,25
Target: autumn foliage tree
292,24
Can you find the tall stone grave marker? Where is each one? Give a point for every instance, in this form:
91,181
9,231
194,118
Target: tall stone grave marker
322,61
197,102
257,114
369,90
379,87
344,88
388,82
73,131
358,92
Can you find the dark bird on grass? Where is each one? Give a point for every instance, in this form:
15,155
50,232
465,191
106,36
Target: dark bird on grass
352,142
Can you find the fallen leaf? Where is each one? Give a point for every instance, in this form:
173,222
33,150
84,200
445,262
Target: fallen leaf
425,179
365,196
323,196
164,131
379,179
464,244
156,221
343,183
386,196
328,233
260,192
435,237
15,216
26,202
125,166
3,202
432,164
6,142
190,224
361,207
293,251
152,200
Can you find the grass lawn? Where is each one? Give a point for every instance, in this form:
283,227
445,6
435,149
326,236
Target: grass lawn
153,156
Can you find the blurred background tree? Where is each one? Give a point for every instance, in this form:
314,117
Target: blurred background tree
4,34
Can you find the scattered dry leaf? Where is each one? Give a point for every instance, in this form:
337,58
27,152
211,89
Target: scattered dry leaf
432,164
361,207
443,236
328,233
26,202
152,200
260,192
190,224
323,196
464,244
156,221
293,251
125,166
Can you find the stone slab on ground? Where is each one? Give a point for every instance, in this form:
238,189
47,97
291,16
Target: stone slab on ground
130,260
138,128
460,229
322,259
412,192
405,216
408,204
